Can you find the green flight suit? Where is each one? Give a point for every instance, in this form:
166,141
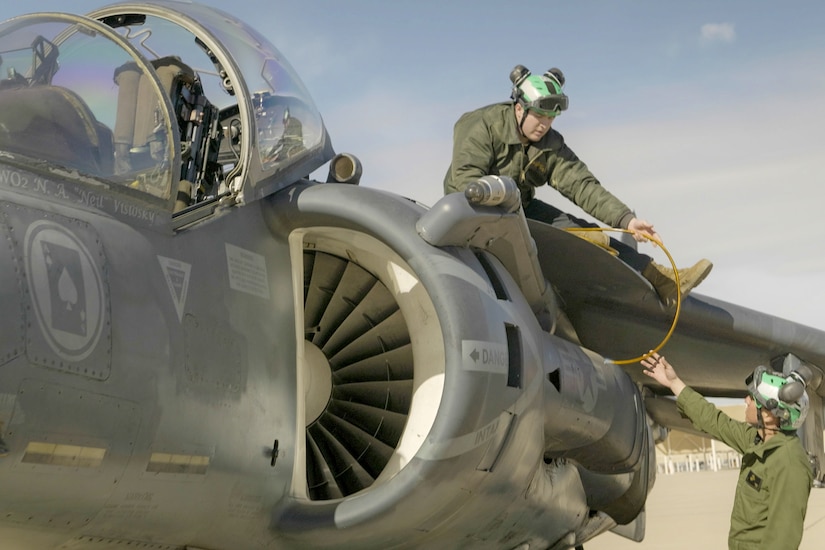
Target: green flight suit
774,480
486,142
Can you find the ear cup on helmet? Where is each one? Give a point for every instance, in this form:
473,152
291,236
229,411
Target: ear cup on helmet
517,76
556,75
783,395
792,391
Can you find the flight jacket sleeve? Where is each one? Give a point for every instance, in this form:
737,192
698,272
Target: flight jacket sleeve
571,177
706,417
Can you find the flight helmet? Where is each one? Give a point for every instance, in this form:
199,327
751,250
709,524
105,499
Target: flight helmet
784,396
541,94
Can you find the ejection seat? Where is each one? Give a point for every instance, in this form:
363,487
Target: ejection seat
54,123
139,140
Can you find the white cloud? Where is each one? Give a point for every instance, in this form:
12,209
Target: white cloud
712,33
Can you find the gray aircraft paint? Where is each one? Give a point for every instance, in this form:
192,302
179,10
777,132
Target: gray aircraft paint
284,363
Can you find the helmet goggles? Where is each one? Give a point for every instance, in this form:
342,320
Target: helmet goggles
549,106
542,95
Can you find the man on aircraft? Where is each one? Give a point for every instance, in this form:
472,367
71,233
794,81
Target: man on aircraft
775,477
515,139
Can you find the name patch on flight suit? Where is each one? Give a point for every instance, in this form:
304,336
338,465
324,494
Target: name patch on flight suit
537,165
535,173
754,480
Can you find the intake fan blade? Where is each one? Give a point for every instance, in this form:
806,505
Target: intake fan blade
355,321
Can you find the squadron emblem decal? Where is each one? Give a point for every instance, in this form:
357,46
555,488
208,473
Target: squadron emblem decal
67,289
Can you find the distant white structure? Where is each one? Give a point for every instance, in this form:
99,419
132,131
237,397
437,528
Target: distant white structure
683,452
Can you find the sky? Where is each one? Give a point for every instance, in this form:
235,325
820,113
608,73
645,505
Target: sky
704,116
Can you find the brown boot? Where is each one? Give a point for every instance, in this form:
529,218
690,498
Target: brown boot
599,238
663,279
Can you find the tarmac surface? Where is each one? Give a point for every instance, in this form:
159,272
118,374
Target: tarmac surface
692,510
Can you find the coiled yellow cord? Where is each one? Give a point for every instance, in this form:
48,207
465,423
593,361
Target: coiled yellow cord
678,291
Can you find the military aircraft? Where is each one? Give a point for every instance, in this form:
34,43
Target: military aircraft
202,348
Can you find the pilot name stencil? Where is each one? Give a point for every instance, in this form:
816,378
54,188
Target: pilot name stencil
136,212
14,179
21,180
17,179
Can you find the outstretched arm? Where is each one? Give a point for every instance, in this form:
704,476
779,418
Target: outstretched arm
657,367
702,414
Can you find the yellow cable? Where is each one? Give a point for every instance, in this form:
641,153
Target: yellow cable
678,291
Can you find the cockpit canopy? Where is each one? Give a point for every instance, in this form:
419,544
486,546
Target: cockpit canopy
177,103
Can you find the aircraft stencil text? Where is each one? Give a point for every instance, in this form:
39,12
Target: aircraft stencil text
14,179
487,432
485,356
133,211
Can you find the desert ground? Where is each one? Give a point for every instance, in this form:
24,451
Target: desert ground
691,510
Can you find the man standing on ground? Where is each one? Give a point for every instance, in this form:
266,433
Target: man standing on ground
775,477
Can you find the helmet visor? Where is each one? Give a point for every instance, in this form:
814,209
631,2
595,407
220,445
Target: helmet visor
759,385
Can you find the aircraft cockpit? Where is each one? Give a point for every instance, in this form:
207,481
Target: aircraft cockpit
179,105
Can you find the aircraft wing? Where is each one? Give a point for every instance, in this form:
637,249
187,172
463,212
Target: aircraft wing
714,344
616,312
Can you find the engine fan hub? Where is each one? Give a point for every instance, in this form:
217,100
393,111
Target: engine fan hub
317,382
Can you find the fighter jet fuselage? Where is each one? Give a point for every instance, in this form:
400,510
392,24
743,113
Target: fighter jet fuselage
203,348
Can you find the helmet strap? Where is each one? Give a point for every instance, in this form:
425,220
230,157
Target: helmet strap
521,122
760,426
762,430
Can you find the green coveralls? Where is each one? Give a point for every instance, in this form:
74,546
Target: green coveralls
774,480
487,142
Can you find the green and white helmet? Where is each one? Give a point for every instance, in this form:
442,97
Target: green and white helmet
541,94
784,396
